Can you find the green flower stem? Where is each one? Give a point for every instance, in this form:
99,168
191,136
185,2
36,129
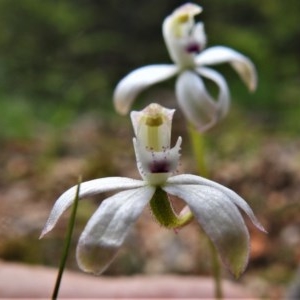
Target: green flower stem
67,243
198,148
216,267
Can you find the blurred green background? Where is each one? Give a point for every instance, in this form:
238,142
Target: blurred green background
62,58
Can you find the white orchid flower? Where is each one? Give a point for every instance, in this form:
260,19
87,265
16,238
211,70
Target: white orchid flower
185,41
214,206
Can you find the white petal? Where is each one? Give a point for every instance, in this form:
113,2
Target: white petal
108,227
223,95
234,197
87,189
195,102
136,81
221,221
242,64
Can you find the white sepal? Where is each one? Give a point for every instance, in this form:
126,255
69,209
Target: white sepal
135,82
108,227
223,100
196,103
242,64
87,189
220,219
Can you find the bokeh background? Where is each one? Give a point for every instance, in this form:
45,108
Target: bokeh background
59,63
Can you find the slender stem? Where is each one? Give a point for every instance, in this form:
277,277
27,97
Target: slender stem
216,270
198,148
67,243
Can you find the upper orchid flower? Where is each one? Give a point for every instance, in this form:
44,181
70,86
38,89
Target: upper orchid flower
185,41
214,206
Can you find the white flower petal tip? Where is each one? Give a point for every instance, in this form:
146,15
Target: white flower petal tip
93,259
246,69
187,9
44,232
135,82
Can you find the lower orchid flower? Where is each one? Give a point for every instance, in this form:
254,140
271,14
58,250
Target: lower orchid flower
185,41
215,207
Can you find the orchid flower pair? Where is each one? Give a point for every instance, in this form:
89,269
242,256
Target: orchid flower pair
215,207
185,41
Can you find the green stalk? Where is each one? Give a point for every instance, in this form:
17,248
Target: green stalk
67,243
198,148
216,267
